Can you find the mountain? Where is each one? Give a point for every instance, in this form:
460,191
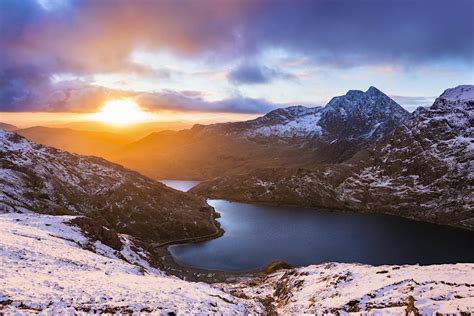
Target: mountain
295,137
423,170
356,116
41,179
188,154
81,142
7,127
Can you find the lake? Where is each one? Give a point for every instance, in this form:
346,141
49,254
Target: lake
180,184
258,234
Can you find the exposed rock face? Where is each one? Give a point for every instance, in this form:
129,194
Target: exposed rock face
424,170
362,117
46,180
296,136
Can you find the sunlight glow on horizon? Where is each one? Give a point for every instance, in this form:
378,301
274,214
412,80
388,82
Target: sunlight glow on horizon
122,112
62,119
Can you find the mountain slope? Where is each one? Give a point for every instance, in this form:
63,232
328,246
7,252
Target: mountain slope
80,142
46,268
7,127
295,137
424,170
46,180
356,289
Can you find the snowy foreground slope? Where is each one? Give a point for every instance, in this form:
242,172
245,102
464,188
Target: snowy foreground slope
46,267
349,288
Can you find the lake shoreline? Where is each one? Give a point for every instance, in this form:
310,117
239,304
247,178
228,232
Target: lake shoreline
169,264
313,228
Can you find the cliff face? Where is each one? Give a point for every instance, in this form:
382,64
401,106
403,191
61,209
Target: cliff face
424,170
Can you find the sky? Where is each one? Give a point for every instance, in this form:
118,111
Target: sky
241,57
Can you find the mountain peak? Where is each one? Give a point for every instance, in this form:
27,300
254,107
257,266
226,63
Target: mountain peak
459,93
374,91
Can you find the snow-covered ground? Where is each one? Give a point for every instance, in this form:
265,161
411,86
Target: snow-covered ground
47,265
43,267
351,288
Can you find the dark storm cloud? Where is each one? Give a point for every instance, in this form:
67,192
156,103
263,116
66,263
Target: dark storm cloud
86,37
256,74
81,96
173,100
348,32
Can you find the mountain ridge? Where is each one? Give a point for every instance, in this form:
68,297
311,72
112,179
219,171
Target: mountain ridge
42,179
423,170
295,136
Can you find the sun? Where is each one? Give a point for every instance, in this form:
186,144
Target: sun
121,112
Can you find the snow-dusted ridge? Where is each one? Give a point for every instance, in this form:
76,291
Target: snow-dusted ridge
459,93
357,115
42,179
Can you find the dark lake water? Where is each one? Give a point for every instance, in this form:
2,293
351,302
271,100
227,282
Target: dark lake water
180,184
257,234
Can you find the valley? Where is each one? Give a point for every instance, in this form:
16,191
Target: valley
122,226
237,157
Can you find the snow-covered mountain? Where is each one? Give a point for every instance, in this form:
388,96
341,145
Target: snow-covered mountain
423,170
355,116
41,179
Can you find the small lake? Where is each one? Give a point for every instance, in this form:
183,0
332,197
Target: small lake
258,234
180,184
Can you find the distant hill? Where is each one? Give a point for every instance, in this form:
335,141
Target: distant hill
7,127
80,142
135,131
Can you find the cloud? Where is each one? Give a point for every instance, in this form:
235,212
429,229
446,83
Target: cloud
42,38
88,34
256,74
412,102
185,101
81,96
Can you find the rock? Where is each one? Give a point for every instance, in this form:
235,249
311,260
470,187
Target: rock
277,265
95,231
